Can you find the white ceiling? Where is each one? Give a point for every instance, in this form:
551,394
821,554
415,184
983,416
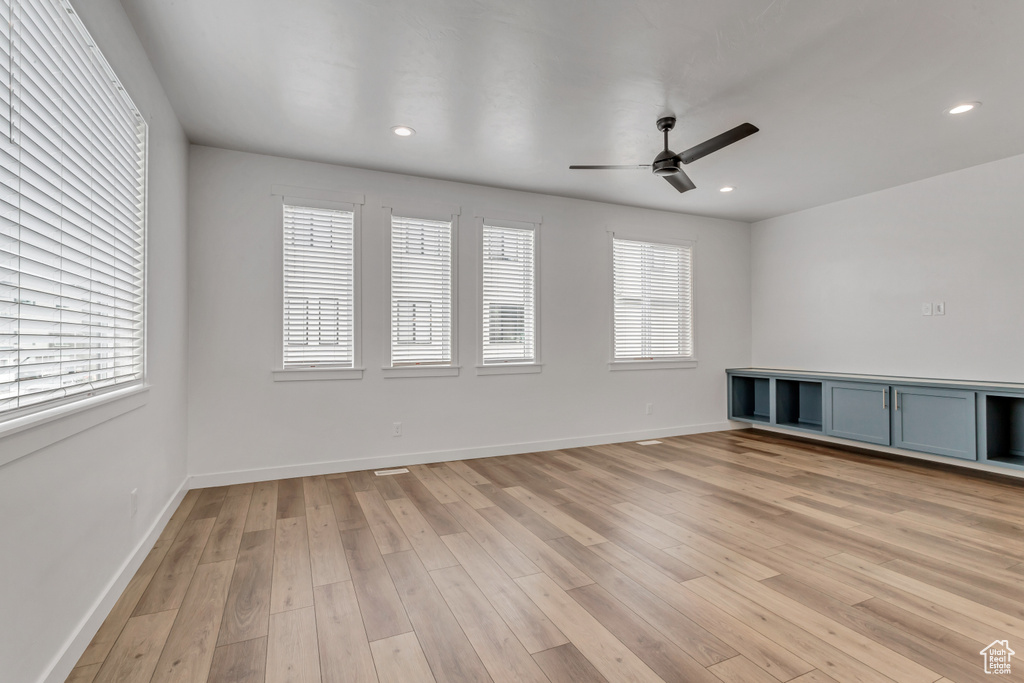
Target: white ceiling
849,94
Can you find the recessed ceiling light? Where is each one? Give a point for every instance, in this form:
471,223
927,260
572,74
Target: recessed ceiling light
963,108
727,188
403,131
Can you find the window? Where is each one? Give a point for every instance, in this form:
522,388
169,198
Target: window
508,295
653,301
421,292
319,287
72,220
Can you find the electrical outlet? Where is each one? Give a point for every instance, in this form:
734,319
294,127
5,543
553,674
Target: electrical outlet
133,509
650,409
396,429
926,309
939,308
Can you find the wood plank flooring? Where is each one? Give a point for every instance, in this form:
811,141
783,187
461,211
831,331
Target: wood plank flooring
736,556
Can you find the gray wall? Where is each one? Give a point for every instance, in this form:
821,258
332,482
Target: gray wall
840,287
66,530
240,421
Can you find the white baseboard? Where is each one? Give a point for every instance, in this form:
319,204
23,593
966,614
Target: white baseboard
87,628
405,459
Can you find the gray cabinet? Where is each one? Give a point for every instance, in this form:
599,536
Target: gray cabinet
1001,429
978,421
750,399
858,411
798,404
939,421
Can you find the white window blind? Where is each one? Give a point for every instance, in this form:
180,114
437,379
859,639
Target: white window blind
653,302
421,292
509,320
72,213
319,301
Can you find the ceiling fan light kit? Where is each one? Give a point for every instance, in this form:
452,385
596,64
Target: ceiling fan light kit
668,164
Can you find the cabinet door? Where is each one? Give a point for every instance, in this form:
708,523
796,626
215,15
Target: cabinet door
939,421
858,411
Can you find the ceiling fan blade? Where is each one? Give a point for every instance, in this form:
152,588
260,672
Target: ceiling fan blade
610,168
718,142
680,181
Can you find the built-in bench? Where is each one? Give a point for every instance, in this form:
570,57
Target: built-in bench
979,421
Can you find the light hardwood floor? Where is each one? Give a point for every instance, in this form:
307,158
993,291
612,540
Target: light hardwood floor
737,556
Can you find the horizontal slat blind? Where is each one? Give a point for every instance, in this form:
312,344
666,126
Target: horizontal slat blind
653,303
421,292
72,213
319,320
509,325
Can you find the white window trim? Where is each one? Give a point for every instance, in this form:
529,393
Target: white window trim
509,369
29,433
431,211
421,371
522,222
320,199
315,374
656,363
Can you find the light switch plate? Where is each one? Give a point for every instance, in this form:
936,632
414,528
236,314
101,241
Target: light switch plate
926,309
939,308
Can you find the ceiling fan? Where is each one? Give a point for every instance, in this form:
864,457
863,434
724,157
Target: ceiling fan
668,164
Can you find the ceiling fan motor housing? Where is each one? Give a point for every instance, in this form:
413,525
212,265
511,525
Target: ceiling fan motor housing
666,163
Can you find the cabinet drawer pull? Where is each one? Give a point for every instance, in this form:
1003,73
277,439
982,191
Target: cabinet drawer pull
885,403
896,398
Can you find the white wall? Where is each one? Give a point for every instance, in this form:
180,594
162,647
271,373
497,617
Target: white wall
240,420
64,511
840,287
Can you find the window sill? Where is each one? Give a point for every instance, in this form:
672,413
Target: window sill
315,374
652,364
422,371
22,436
509,369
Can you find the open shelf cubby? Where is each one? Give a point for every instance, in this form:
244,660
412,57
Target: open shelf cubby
751,398
798,404
1004,438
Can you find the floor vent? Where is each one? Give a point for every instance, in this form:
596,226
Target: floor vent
385,473
648,443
